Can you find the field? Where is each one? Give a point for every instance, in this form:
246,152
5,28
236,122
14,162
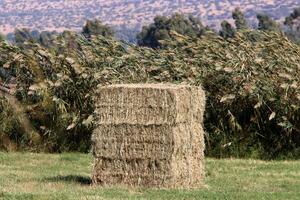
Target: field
66,176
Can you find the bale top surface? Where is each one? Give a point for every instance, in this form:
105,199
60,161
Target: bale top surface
147,85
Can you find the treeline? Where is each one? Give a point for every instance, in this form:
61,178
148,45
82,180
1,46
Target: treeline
160,29
92,27
251,78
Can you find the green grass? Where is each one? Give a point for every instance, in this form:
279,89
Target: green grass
67,176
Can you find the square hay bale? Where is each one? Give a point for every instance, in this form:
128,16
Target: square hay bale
149,135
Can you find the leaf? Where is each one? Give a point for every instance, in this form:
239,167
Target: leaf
77,68
285,75
37,86
284,85
258,60
294,85
153,69
6,65
88,121
219,68
227,145
227,97
34,87
71,126
42,53
228,69
70,60
272,116
258,105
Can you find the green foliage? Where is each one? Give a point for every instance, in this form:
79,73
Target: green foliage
9,127
227,31
7,120
239,19
95,27
290,20
253,93
23,35
293,23
46,38
162,27
265,23
252,87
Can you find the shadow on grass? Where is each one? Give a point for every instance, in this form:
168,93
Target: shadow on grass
83,180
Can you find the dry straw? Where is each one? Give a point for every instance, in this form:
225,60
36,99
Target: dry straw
149,135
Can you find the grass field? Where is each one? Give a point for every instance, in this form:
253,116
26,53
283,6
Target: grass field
67,176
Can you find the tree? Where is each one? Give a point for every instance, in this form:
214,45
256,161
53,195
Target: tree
163,26
265,23
227,31
69,38
291,19
46,38
95,27
23,35
239,19
150,35
293,24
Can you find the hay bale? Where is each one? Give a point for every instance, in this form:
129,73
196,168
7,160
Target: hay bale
149,135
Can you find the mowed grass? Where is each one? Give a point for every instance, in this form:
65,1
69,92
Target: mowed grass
67,176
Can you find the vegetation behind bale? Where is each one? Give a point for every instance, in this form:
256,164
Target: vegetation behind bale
9,127
252,84
253,93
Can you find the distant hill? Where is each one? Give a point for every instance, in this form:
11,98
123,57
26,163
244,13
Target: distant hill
72,14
